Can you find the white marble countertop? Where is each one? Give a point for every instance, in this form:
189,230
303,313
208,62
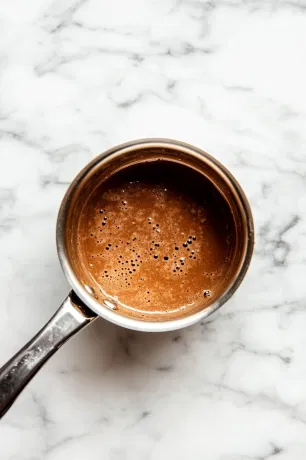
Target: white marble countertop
78,76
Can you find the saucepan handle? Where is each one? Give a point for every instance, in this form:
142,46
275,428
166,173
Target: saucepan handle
72,316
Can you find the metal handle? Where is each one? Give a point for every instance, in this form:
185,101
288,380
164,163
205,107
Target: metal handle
72,316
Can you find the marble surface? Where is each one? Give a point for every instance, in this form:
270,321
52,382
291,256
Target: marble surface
78,76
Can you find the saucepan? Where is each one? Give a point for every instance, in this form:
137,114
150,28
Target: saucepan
81,307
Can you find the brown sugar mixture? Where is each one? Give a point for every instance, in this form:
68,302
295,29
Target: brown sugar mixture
158,237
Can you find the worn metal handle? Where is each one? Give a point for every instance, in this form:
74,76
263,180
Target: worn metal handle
72,316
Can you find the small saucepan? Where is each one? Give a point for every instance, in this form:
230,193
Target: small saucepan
81,307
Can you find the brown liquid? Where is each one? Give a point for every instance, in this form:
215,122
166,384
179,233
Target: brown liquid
158,237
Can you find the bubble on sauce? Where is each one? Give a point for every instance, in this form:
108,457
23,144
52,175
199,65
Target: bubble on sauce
110,304
89,289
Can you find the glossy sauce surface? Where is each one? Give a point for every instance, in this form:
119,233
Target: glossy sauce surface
157,237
